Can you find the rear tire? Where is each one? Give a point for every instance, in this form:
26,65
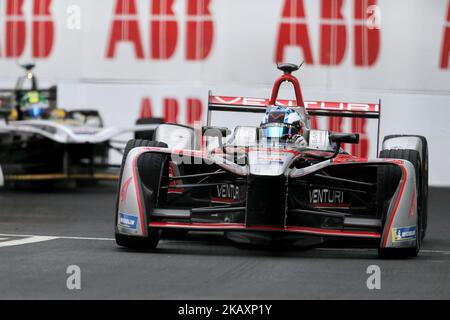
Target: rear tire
412,156
151,241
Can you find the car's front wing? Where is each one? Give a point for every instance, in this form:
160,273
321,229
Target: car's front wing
339,218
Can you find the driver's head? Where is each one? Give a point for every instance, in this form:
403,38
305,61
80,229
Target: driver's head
34,106
282,124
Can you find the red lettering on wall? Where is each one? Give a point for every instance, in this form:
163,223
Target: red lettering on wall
164,29
15,29
194,111
367,41
125,28
43,29
170,110
146,109
445,54
335,124
199,30
313,123
333,33
293,31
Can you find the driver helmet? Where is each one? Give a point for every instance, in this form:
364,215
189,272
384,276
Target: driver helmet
34,105
283,124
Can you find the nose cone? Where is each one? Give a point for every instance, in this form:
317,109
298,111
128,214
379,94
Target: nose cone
270,163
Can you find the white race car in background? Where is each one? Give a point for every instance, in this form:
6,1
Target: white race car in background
52,143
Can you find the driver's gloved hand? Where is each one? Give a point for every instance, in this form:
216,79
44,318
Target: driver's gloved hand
299,140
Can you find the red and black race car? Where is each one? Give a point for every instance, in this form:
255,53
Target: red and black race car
280,180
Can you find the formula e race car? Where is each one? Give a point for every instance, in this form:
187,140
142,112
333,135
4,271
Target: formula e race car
40,142
276,182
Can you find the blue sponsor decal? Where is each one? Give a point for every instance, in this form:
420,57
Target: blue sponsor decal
404,234
128,221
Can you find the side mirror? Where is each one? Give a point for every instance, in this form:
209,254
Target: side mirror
339,138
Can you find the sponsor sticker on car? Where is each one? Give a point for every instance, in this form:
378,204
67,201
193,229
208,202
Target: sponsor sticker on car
226,193
327,198
128,221
404,234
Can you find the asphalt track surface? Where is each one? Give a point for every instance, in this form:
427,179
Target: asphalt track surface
43,231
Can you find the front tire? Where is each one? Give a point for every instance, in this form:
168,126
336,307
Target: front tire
154,235
149,242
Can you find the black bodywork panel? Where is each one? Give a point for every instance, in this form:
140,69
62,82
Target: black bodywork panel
33,154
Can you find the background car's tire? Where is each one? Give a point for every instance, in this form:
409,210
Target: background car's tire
412,156
424,162
151,241
147,135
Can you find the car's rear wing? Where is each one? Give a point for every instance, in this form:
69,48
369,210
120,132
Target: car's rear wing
314,108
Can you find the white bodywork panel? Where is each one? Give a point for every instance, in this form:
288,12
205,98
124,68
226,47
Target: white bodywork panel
319,139
244,136
63,133
177,137
269,163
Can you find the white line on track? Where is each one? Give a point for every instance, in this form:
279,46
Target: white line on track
29,240
374,250
36,238
58,237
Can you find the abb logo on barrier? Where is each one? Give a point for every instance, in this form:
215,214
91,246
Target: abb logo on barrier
171,110
293,31
164,35
42,36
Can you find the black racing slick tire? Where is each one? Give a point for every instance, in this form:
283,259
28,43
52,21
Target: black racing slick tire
152,239
412,156
147,135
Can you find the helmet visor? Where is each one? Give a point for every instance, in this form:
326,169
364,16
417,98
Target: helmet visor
278,131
